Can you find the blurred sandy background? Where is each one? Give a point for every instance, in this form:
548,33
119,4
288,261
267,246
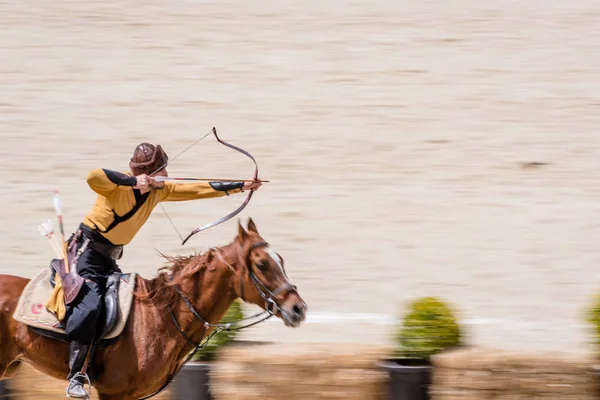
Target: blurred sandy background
396,136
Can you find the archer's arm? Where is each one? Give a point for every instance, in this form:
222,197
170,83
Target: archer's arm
200,190
104,181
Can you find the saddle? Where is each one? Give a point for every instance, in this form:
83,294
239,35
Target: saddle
111,296
31,309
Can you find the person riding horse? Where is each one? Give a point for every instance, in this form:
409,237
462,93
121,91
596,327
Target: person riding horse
123,205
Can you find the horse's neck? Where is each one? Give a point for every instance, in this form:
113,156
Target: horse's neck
211,291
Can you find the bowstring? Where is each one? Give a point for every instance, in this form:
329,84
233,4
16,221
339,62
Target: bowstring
186,149
167,163
171,221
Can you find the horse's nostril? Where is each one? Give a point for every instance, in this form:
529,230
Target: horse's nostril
297,310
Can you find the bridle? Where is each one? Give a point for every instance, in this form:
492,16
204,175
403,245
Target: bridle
270,297
271,307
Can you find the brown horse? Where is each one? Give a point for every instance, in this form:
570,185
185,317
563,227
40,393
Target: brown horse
151,348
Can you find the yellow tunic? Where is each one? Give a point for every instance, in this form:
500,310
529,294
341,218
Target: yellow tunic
121,199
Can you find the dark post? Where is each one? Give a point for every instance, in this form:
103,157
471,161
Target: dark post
192,382
4,391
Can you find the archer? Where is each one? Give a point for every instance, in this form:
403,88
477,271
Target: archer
124,203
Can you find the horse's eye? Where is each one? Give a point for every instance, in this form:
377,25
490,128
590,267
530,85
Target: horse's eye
262,266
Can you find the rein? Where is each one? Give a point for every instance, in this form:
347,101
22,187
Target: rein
270,303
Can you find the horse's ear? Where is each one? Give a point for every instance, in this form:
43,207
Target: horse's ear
252,226
242,234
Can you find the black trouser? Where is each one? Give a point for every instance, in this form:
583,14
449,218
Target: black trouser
85,315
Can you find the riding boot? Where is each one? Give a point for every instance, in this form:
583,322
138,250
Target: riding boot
76,389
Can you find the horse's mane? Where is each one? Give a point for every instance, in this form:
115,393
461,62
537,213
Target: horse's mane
159,291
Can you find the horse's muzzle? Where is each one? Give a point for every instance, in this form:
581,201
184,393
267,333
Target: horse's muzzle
293,311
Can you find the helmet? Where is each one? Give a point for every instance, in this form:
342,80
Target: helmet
148,159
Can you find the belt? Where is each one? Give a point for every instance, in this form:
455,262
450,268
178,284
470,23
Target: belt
111,251
101,244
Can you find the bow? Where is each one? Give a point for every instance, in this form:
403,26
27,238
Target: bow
233,213
240,208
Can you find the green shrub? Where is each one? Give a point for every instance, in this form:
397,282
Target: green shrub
429,327
233,314
593,317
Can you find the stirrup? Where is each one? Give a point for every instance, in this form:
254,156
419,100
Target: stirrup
86,378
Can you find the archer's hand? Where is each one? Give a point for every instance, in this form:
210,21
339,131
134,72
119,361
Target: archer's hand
251,185
145,182
141,182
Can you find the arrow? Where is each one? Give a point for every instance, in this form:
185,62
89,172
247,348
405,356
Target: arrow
58,207
166,178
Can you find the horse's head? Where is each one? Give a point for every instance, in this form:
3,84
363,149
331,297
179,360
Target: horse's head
264,281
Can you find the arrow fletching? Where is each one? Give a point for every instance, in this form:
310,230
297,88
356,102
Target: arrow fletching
57,203
42,230
46,228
